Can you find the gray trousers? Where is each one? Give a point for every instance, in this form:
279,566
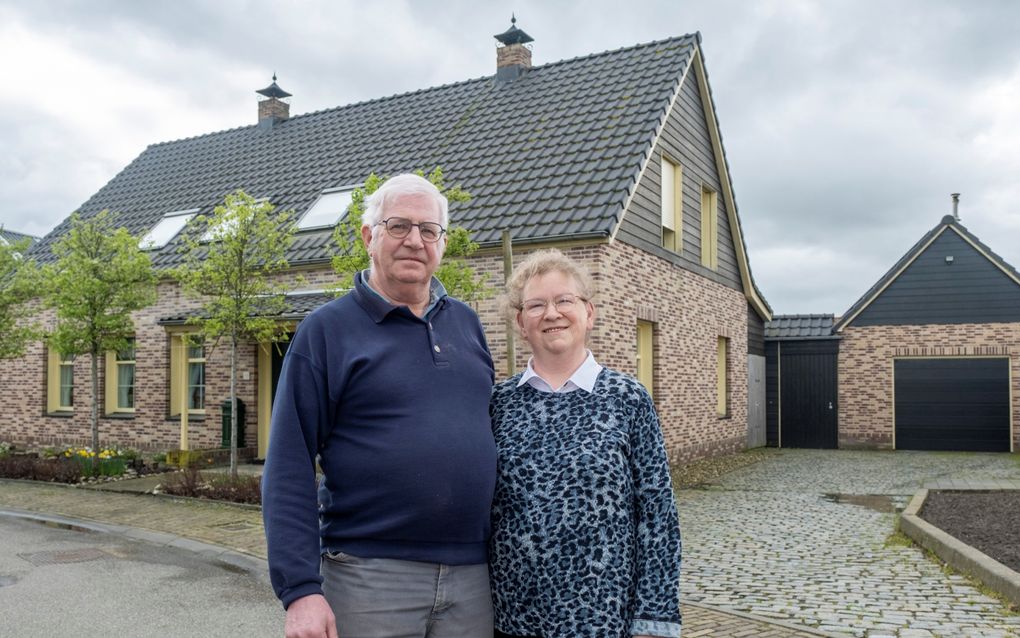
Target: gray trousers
388,598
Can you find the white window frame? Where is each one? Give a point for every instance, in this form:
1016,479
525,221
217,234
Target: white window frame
168,227
316,219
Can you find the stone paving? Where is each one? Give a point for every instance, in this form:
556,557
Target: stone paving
236,528
797,539
802,536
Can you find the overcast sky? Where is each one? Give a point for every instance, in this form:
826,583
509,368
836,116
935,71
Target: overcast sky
847,123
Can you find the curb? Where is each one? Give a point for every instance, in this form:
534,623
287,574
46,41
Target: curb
253,565
958,554
811,631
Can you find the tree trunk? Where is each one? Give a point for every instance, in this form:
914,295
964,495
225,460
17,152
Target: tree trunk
233,406
95,411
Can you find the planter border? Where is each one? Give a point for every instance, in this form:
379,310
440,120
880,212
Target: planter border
955,552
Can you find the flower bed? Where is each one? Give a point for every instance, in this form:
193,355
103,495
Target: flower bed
246,488
73,465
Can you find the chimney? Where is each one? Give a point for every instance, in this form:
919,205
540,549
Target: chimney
272,107
513,59
956,205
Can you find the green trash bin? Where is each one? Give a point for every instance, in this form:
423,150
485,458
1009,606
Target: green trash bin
225,411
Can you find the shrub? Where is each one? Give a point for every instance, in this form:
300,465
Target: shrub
191,482
35,469
5,448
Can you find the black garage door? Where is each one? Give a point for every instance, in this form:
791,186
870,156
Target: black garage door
952,404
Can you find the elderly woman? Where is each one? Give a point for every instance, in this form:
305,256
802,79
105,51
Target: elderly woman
585,538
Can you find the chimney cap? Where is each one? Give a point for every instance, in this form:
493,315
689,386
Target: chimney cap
513,35
273,90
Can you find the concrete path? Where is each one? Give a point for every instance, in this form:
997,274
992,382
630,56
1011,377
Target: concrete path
804,536
234,535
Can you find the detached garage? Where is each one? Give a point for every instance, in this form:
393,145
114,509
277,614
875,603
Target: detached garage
928,357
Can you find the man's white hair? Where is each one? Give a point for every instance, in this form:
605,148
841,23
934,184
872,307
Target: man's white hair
399,186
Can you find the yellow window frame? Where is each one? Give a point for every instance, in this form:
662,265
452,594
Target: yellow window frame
55,364
671,192
179,360
722,401
645,360
113,365
709,228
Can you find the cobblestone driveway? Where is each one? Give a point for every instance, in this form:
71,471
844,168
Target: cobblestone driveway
792,538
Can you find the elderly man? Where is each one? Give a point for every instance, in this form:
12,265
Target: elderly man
388,389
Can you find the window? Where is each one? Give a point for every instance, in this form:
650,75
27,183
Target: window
60,382
722,403
709,229
217,234
187,375
120,379
196,378
327,210
672,205
166,229
644,354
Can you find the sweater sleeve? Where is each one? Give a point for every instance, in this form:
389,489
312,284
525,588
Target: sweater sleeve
290,507
656,610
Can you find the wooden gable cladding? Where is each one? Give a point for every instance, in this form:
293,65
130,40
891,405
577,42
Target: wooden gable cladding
689,137
950,279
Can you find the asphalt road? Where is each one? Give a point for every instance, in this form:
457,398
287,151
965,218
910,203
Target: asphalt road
60,582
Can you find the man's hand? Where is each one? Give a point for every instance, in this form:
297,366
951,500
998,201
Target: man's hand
310,617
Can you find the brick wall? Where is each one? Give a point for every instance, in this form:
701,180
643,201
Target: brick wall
689,313
866,355
23,391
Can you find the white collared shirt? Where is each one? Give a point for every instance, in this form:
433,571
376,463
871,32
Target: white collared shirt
583,378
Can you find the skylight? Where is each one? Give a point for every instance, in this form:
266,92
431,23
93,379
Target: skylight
166,229
328,209
227,229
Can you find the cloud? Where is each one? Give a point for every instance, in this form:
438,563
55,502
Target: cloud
847,123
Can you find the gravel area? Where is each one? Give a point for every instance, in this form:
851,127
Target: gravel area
708,470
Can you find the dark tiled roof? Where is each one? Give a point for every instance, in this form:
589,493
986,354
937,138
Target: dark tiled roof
947,222
552,154
799,327
299,304
13,237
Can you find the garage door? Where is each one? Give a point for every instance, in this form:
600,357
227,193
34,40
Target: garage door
952,404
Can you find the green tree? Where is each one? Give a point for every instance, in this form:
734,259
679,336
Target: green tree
100,277
233,269
19,279
457,276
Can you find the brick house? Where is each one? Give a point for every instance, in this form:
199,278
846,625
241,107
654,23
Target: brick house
615,158
924,360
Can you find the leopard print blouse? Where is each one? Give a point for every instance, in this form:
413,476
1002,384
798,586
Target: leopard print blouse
585,535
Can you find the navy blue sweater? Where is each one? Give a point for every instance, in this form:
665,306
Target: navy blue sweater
396,408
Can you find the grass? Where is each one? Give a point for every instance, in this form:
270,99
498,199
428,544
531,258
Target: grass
898,539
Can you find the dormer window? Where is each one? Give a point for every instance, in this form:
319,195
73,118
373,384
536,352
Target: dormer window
328,209
166,229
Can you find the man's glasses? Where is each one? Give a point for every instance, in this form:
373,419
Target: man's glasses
400,227
563,303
